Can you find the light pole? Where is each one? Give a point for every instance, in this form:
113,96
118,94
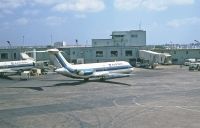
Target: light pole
10,49
76,42
23,40
9,43
51,39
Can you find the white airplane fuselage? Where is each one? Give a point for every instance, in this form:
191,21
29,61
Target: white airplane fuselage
96,69
86,71
15,66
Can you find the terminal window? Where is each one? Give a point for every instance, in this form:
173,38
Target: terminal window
128,53
134,36
99,53
118,35
4,55
15,56
174,52
114,53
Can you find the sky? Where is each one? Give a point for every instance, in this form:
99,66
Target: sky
41,22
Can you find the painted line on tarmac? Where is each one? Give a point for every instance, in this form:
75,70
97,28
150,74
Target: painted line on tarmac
179,107
193,110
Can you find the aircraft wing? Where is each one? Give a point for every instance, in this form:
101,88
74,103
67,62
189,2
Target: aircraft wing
109,75
118,75
101,74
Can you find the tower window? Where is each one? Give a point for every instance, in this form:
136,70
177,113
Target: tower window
4,55
114,53
134,36
99,53
128,53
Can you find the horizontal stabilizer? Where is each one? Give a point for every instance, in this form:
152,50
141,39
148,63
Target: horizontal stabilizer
53,51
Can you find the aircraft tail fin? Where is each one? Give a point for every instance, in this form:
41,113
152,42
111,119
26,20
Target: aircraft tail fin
58,59
24,56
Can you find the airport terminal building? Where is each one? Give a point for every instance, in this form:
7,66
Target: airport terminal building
123,45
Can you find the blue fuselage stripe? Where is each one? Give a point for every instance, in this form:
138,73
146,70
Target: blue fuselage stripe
16,66
112,68
63,63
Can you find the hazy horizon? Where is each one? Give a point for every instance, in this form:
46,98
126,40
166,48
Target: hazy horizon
38,22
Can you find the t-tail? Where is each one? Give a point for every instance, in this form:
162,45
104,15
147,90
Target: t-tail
59,61
24,56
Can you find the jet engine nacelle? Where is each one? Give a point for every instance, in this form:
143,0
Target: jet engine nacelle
85,72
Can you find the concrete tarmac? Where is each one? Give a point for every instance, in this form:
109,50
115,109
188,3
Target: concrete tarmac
168,97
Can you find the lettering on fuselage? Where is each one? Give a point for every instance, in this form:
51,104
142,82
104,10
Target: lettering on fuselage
16,63
115,64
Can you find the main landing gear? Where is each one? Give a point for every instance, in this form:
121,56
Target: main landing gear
86,79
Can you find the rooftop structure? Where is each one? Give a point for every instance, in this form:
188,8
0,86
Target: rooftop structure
123,38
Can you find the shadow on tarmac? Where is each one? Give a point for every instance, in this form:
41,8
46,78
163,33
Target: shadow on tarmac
75,83
6,77
32,88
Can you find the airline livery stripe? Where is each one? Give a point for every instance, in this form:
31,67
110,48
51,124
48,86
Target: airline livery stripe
16,66
63,63
112,68
60,60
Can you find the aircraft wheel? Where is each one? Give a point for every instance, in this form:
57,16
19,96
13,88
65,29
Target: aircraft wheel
102,79
86,79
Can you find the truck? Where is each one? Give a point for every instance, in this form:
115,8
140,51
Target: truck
189,61
25,75
194,66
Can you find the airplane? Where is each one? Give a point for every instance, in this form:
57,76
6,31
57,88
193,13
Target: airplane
26,63
104,70
14,67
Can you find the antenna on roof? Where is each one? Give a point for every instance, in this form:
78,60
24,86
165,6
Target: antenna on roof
9,43
51,39
140,24
76,42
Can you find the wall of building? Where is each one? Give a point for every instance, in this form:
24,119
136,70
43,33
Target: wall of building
101,54
129,38
179,55
137,38
130,54
9,54
59,44
123,38
102,42
13,54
